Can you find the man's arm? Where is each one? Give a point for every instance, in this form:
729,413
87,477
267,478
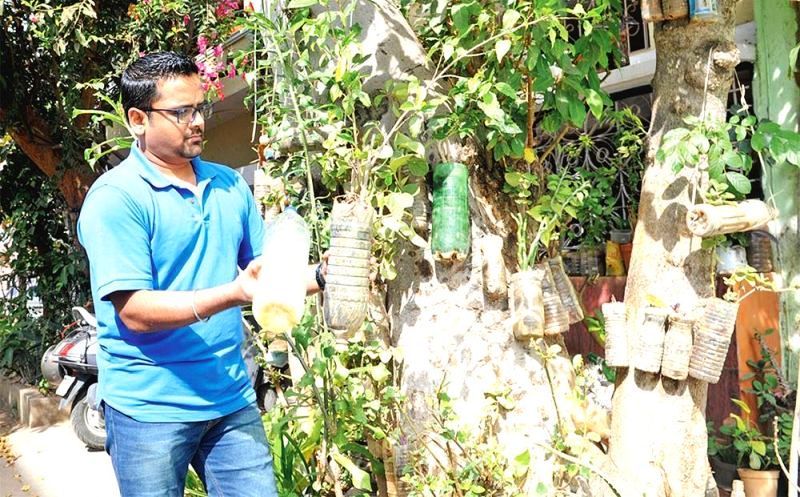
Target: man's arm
145,311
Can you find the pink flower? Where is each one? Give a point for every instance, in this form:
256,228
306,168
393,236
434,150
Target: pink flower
217,50
201,66
33,18
202,43
186,20
145,2
231,71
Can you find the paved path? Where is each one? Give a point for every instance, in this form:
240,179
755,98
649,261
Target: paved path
51,462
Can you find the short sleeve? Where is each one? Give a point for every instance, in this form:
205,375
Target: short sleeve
113,229
253,239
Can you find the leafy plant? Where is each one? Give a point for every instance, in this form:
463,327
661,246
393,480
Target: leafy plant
753,449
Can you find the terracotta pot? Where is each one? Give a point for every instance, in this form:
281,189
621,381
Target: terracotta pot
759,483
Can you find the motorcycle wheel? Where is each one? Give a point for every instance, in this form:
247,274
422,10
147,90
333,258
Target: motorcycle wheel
88,424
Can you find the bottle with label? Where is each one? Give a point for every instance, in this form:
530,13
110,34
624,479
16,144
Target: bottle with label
278,303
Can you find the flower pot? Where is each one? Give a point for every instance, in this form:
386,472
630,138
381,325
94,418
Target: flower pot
614,263
450,214
712,338
592,261
759,483
527,304
566,291
677,348
616,346
650,340
346,293
724,473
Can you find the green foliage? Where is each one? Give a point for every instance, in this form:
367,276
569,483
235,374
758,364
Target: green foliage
753,280
753,449
471,462
42,262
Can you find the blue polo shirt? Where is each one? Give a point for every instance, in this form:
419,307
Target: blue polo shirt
145,231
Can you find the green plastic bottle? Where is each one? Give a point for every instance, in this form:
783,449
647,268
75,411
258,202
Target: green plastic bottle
450,213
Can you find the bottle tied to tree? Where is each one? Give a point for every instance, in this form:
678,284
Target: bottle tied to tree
450,215
278,303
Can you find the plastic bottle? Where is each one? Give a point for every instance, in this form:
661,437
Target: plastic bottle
278,303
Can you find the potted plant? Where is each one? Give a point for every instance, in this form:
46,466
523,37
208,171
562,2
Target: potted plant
722,456
756,460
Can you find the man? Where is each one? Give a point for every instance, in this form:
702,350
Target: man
165,232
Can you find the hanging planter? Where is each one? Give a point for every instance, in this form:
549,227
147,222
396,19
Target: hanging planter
556,317
712,338
650,343
527,304
269,193
759,253
347,281
450,215
493,267
420,208
566,291
616,346
707,220
674,9
677,348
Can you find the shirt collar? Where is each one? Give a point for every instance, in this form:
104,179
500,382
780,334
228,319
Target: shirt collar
203,173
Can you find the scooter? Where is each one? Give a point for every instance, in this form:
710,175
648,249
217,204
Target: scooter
71,367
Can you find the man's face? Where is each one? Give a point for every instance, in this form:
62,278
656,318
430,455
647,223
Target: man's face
172,131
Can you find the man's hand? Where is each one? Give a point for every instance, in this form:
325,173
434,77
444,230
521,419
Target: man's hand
248,280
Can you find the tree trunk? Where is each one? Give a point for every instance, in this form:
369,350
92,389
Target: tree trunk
658,433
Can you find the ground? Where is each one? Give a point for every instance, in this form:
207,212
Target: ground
50,462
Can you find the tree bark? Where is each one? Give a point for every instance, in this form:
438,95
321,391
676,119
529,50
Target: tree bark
34,139
658,433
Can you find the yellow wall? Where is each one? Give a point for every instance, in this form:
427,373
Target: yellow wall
229,142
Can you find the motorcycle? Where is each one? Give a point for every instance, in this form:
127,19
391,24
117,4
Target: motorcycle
70,366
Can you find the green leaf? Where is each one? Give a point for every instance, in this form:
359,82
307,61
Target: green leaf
359,476
506,89
595,102
759,447
510,18
738,182
300,4
501,48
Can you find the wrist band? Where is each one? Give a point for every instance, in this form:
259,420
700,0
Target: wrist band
318,276
194,309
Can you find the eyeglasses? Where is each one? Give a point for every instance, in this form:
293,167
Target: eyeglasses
186,115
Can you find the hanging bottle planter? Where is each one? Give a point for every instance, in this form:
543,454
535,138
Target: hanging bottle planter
420,208
616,347
527,304
493,267
556,317
650,342
677,348
707,220
759,253
269,193
347,281
704,11
712,338
674,9
450,215
566,291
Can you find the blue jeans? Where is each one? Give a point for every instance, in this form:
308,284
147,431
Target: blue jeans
230,454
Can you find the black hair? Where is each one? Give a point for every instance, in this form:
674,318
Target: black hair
139,81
